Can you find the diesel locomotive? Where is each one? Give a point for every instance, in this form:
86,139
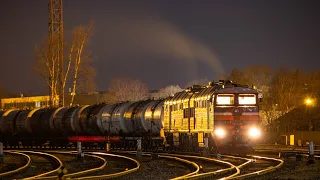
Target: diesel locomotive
219,116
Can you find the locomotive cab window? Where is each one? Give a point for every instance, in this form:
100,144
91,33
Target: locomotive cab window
225,99
247,99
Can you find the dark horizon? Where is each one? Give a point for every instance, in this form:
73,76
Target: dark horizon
162,42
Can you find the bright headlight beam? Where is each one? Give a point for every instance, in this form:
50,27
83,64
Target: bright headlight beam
254,132
220,133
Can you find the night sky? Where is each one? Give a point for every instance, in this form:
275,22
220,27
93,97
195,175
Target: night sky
164,42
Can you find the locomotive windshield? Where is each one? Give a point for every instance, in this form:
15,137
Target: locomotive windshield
248,99
225,99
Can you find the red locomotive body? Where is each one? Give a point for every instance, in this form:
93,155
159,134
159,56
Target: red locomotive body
237,120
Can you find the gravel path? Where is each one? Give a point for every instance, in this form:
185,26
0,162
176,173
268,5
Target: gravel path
158,169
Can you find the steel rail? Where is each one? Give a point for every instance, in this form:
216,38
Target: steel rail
195,165
213,173
44,154
13,172
113,175
266,170
248,161
237,168
185,161
80,173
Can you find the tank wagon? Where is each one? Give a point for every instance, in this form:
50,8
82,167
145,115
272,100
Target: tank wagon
225,113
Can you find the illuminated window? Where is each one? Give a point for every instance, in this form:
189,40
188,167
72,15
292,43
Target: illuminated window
247,99
38,104
225,99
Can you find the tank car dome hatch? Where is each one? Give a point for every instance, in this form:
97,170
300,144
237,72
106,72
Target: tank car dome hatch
7,121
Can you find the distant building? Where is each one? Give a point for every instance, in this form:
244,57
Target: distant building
43,101
299,125
25,102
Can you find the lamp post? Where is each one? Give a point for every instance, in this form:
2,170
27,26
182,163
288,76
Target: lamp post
310,102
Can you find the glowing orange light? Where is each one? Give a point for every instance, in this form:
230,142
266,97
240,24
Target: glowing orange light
308,101
92,138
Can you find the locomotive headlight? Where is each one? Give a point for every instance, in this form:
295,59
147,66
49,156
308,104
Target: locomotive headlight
220,133
254,132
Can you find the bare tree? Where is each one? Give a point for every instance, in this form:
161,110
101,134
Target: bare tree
48,67
259,77
81,35
283,90
287,89
77,67
127,89
311,86
167,91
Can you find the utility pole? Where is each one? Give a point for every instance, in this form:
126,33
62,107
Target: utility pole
56,47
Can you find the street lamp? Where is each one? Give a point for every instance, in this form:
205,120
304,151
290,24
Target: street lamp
308,101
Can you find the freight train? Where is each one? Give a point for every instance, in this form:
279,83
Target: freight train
221,115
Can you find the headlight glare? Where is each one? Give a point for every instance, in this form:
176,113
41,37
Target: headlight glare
220,133
254,132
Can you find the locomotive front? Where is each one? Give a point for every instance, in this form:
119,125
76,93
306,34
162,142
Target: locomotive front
237,120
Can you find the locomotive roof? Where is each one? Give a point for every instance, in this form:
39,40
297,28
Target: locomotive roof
237,90
203,92
207,92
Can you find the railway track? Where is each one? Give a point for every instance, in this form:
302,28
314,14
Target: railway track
40,164
209,167
100,165
94,165
75,168
257,166
117,166
239,167
164,166
14,163
105,170
230,167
